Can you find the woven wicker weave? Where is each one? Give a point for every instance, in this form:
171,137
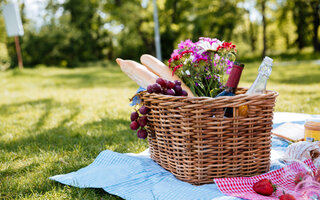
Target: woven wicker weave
191,138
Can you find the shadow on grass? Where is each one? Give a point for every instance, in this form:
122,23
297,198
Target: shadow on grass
95,135
73,147
74,150
12,108
111,77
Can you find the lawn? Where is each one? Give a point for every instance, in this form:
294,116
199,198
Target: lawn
55,121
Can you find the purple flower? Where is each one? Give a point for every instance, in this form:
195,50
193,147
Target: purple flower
229,66
175,53
217,57
198,57
196,84
208,77
185,44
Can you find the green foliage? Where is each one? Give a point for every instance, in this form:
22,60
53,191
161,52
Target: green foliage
136,37
4,59
303,20
85,19
76,36
91,30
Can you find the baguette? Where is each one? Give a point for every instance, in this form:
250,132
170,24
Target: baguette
137,72
159,68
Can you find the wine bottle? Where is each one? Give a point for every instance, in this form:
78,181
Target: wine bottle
260,84
232,85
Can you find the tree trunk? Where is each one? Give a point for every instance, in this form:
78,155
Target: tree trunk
118,3
300,14
173,16
264,25
253,38
287,40
315,8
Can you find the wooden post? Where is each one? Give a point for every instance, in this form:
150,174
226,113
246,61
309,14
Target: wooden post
264,30
18,49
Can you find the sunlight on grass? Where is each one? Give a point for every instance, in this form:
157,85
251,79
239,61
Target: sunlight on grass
55,121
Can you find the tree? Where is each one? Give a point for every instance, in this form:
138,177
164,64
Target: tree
301,16
315,4
136,36
85,18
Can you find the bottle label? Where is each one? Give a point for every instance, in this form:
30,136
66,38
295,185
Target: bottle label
234,77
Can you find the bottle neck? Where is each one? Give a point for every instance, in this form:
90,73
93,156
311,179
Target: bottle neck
234,78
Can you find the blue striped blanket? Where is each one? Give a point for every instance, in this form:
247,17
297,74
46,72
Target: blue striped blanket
137,177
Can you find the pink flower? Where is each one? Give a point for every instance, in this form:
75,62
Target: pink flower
185,44
176,57
227,45
185,52
175,52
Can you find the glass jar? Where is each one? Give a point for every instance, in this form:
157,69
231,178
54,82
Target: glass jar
312,130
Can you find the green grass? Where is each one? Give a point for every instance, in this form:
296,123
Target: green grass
55,121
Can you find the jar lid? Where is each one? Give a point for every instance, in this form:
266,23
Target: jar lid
312,124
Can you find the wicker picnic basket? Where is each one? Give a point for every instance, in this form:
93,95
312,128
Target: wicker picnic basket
191,138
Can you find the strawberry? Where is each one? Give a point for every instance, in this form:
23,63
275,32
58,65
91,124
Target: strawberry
264,187
317,175
287,197
299,177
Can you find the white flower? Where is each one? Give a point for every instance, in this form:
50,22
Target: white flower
192,57
188,72
206,46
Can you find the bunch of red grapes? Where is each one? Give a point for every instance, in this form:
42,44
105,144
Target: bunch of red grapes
165,87
138,121
160,87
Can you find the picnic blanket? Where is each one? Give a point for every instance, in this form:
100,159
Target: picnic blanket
137,176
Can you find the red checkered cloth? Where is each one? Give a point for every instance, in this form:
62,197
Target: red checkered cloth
283,178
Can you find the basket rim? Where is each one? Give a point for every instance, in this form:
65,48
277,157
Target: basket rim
270,93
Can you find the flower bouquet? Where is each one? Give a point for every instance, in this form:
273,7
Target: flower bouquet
204,65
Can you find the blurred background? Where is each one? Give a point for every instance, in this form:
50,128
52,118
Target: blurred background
67,33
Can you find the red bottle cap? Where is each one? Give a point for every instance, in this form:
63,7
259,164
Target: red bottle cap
235,75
